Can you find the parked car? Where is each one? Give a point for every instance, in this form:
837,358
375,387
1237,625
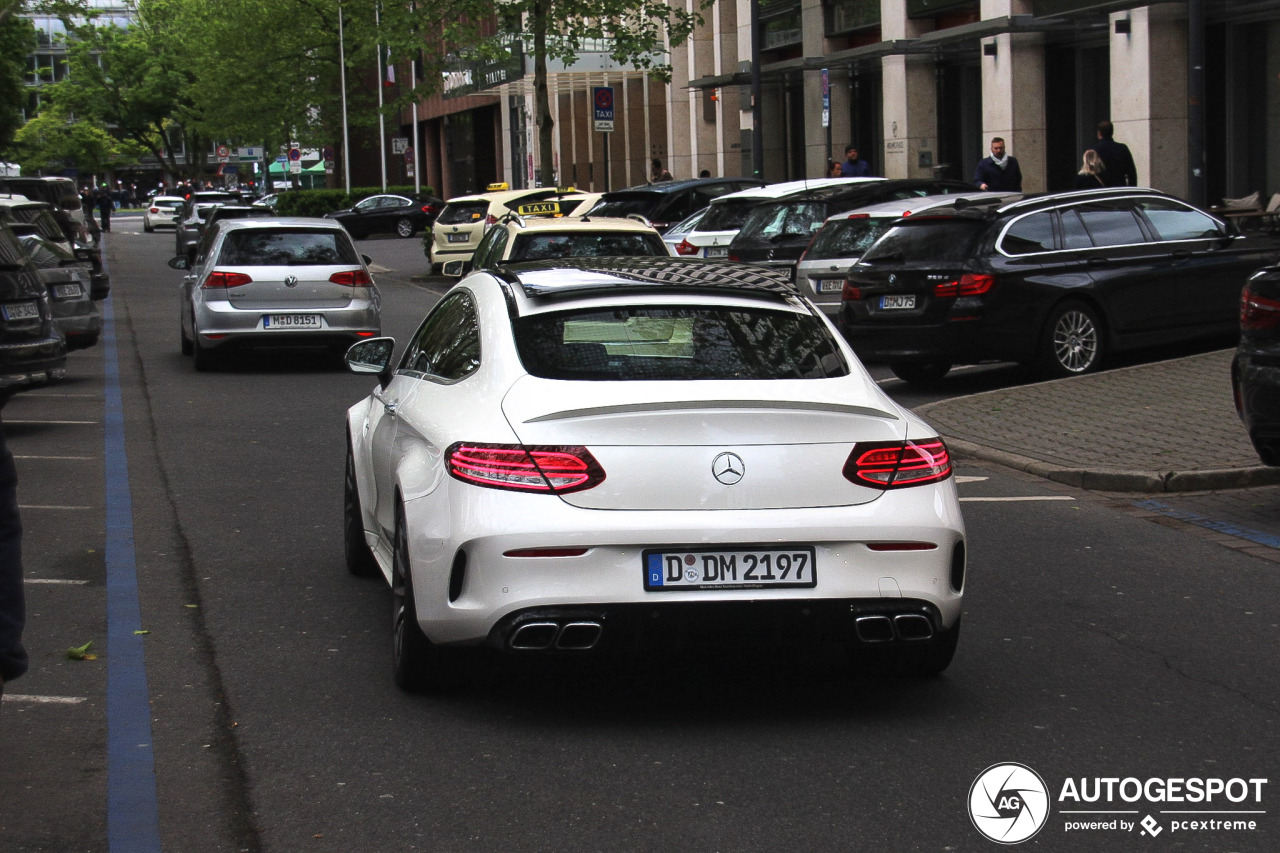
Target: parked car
463,221
516,239
837,245
58,192
389,214
268,201
569,455
32,350
775,233
1255,370
275,282
711,237
1055,282
665,203
162,212
191,225
66,278
675,235
40,218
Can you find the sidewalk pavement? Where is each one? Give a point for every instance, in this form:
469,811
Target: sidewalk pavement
1164,427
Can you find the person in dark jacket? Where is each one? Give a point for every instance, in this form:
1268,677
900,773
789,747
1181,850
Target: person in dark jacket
1090,175
999,172
1117,162
13,614
105,207
853,166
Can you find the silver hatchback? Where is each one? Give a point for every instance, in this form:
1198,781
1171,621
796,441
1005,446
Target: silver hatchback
275,282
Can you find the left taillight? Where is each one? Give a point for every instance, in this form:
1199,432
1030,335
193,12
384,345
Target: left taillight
352,278
553,470
226,279
898,464
1258,313
684,247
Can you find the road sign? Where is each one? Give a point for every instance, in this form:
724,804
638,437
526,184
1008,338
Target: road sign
295,160
408,155
602,102
826,99
399,144
223,153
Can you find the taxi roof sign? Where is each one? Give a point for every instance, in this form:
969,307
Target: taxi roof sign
500,186
539,208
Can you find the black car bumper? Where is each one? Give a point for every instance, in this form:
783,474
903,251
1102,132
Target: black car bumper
1255,381
32,362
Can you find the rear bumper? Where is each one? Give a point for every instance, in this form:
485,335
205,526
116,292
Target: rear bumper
33,362
1255,381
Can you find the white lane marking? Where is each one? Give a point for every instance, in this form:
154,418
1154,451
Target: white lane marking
38,506
59,458
44,700
52,423
1022,498
960,479
54,581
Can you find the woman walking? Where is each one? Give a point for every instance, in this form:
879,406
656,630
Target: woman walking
1090,175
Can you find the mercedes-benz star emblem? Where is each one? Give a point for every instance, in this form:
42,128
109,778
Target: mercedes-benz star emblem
291,281
728,468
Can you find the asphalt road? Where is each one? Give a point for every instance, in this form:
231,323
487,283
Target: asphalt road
1095,644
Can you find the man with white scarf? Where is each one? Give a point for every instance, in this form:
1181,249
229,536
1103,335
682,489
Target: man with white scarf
1000,171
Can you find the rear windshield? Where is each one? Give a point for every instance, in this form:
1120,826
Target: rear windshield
463,213
919,240
167,205
726,215
847,238
45,254
642,203
537,247
677,342
260,247
785,219
42,219
66,195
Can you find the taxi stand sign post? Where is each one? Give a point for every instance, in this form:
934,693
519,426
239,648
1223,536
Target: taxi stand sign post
602,105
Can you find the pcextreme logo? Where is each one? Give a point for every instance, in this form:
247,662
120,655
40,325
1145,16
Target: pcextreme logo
1009,803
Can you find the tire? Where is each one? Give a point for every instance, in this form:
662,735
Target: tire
205,359
1072,342
404,227
150,229
185,342
360,561
417,666
924,373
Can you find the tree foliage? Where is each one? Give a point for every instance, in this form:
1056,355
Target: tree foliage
52,141
17,38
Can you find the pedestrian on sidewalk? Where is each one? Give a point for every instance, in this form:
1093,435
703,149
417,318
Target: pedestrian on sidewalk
853,166
105,207
1090,175
657,174
13,611
999,172
835,170
1117,162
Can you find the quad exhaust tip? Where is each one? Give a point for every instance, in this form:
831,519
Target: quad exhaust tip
883,629
542,636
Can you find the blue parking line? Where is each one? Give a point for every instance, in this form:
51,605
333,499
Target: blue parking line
1270,540
133,824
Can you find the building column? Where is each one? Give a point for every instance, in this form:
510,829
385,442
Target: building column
1013,95
910,99
1149,93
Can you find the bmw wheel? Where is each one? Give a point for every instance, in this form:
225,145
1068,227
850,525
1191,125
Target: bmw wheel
360,561
418,665
1072,342
404,227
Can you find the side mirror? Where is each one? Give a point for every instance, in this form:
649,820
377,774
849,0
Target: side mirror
454,269
372,357
181,262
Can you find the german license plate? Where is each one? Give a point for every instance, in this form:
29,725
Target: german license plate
291,321
733,568
716,252
457,238
21,311
830,285
897,301
66,291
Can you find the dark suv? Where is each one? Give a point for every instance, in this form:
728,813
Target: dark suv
776,233
32,351
665,203
1055,282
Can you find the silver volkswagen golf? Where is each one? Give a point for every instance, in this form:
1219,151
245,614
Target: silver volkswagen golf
275,282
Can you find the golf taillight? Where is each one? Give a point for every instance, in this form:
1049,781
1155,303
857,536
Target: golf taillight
226,279
898,464
352,278
1258,313
967,285
684,247
558,470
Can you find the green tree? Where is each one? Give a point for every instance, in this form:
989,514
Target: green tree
53,140
17,40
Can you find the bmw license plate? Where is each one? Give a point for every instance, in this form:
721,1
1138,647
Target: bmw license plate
716,252
457,238
291,321
21,311
830,285
66,291
895,302
747,568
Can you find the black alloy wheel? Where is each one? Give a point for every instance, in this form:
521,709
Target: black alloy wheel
923,373
418,666
360,560
1072,341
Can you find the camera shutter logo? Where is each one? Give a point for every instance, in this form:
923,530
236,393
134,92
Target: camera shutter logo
1008,803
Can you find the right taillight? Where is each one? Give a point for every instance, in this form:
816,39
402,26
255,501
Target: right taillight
851,293
226,279
684,247
898,464
1258,313
556,469
352,278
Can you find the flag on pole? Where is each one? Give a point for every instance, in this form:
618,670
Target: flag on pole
391,71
